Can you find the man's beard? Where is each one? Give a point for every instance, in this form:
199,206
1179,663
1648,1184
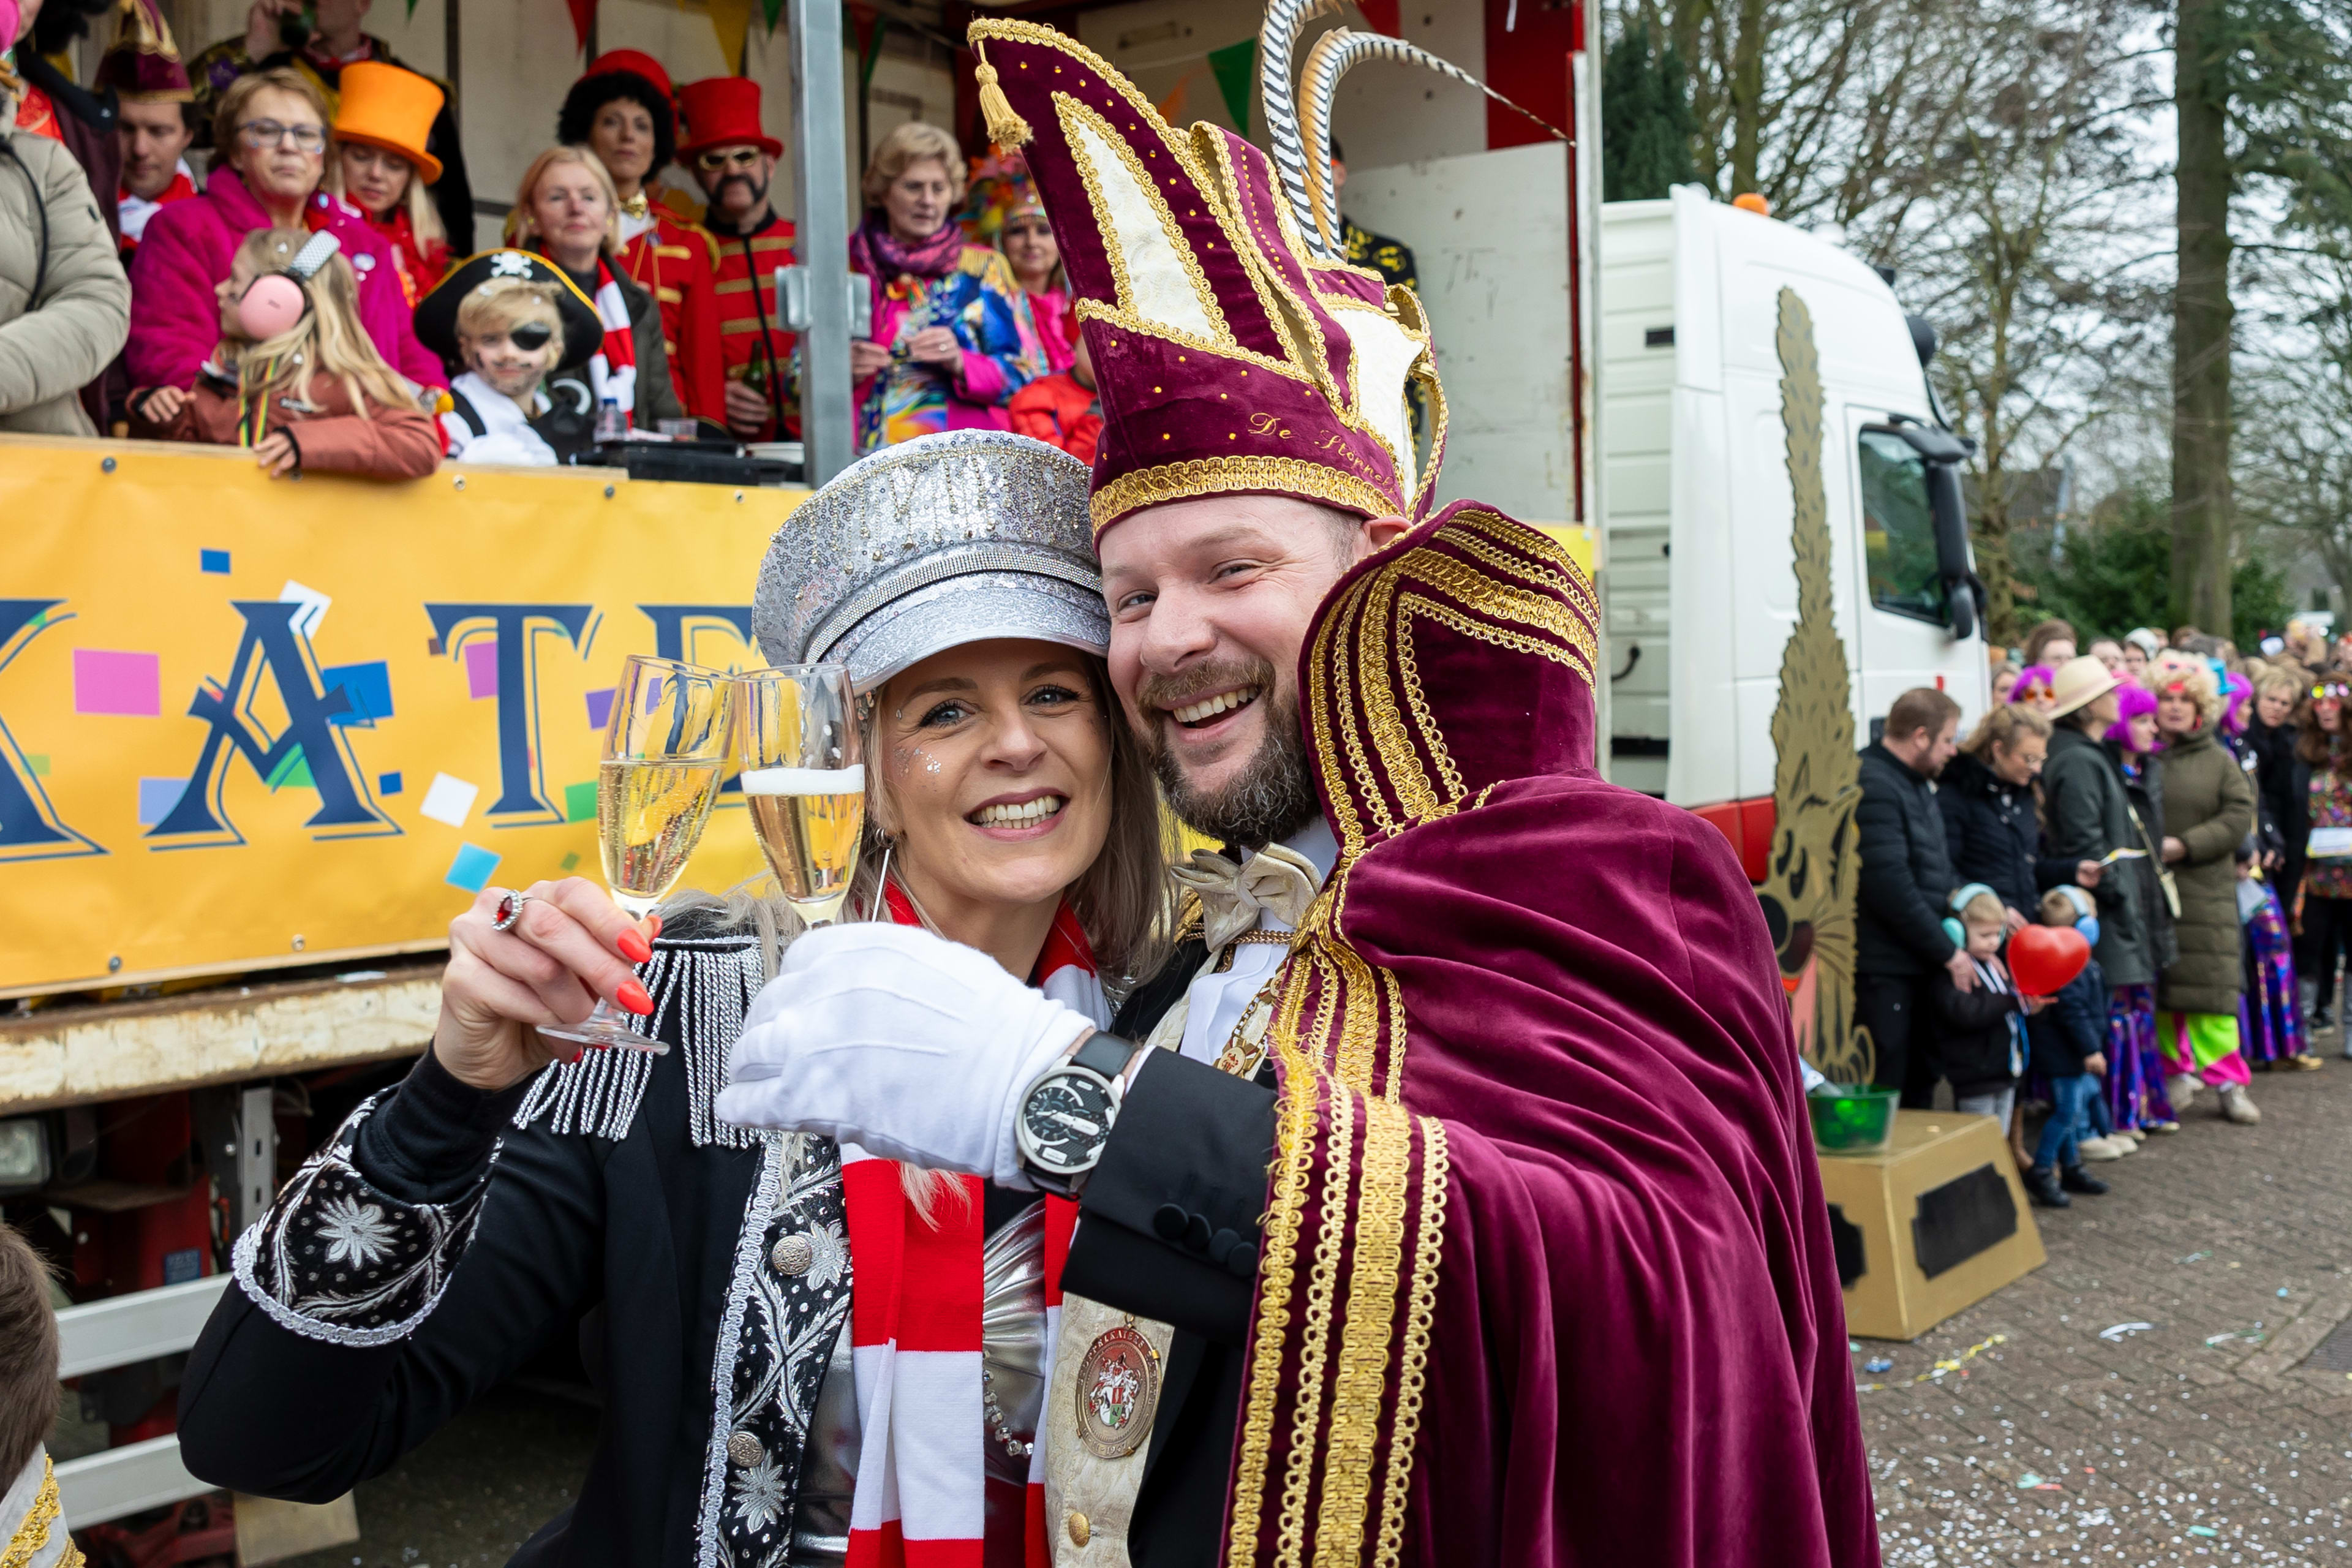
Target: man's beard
759,192
1272,797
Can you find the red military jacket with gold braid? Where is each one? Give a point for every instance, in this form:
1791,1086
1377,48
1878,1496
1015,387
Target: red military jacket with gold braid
671,261
748,332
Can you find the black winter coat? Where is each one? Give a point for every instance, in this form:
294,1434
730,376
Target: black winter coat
1907,871
1971,1030
1993,835
2145,789
2088,815
2072,1028
2281,786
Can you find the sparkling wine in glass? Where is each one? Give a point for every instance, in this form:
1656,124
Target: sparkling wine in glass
665,751
804,779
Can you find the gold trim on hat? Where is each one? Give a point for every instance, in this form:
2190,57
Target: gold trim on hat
1223,476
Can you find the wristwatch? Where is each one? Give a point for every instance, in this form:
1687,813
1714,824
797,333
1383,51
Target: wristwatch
1065,1118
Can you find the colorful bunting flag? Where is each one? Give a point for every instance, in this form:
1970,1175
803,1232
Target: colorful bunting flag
1235,66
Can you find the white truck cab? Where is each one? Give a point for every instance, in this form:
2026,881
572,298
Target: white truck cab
1697,582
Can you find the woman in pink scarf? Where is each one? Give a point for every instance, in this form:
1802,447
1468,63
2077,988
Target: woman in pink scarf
271,129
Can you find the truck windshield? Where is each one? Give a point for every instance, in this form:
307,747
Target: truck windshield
1899,529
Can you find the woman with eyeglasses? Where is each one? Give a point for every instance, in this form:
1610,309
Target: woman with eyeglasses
2035,687
270,133
622,109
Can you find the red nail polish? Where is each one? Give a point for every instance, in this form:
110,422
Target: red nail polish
574,1056
655,921
632,996
635,948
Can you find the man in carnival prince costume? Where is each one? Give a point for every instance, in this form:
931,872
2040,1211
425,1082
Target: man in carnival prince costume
1448,1198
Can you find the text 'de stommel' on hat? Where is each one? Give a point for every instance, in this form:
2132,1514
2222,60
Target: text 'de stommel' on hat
1227,359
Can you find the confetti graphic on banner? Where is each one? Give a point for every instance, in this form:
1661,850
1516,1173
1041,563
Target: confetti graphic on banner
314,606
124,685
293,770
387,784
214,562
369,686
600,708
448,800
580,802
472,868
481,658
156,799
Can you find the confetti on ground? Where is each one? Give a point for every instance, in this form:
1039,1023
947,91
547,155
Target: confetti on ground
1940,1368
2114,1334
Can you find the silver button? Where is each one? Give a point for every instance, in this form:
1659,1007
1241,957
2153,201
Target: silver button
793,1254
745,1450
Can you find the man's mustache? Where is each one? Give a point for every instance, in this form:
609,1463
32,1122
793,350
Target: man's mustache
757,189
1157,693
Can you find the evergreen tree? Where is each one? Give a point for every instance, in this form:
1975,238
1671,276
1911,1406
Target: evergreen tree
1646,123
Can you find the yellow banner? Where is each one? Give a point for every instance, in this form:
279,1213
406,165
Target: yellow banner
247,723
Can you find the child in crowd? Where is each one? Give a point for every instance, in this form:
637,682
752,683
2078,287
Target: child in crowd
2069,1041
295,377
1979,1034
506,321
508,337
29,1515
1062,410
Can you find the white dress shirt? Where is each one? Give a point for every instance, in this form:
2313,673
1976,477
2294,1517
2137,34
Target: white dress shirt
1215,1003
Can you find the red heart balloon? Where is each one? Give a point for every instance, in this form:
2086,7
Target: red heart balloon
2044,959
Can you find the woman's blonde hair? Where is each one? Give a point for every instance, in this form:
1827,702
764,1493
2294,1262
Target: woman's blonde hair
328,338
423,217
905,146
240,93
2189,673
519,226
2002,726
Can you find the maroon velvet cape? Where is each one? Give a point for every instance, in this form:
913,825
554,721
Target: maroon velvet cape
1545,1275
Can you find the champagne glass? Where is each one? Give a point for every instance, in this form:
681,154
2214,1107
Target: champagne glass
804,779
665,749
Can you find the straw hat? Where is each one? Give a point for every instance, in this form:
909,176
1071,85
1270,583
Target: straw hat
384,106
2081,681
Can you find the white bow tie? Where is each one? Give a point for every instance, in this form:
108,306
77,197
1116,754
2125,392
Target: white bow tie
1280,881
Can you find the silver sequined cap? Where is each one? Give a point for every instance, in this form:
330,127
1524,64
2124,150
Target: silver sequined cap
945,539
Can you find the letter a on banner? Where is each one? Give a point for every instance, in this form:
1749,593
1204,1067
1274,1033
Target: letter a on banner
30,828
271,646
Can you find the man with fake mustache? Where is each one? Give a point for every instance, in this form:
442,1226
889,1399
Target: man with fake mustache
734,161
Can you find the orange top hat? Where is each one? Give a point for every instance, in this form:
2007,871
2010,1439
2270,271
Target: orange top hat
384,106
722,112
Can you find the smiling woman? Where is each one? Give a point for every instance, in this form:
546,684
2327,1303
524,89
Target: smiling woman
1007,809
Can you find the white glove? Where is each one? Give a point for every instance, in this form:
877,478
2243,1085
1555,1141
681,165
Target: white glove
907,1045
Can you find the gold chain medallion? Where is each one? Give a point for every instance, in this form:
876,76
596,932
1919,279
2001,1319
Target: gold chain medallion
1118,1391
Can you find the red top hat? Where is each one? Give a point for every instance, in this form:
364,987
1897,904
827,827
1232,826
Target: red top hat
637,62
722,112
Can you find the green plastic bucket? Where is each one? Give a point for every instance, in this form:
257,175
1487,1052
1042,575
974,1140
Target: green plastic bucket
1852,1121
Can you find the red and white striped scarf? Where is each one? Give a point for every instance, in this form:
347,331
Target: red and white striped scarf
612,370
915,1333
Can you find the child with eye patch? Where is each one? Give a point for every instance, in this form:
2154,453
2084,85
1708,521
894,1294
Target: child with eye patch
509,336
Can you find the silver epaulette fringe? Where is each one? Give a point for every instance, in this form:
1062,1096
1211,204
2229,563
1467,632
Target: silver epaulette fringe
705,987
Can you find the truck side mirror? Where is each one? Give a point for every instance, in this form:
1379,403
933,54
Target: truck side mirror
1943,454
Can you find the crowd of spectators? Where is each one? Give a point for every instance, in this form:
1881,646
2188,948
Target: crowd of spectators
124,259
2187,809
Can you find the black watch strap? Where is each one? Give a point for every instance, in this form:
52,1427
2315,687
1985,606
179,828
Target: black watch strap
1104,1053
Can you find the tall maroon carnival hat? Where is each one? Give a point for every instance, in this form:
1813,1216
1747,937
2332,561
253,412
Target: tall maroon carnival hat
143,65
1228,359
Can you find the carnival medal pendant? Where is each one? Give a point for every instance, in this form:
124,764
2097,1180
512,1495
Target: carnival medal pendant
1118,1392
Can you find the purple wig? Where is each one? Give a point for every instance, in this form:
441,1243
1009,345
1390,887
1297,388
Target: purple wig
2235,691
2032,676
2132,700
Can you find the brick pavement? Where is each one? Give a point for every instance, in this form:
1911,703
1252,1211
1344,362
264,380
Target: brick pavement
2156,1446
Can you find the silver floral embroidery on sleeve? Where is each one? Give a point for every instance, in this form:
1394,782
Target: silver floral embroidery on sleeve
334,1260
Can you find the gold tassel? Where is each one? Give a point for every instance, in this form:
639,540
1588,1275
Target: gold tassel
1005,128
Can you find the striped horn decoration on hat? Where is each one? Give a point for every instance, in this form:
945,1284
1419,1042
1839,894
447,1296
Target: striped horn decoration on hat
1317,207
1276,39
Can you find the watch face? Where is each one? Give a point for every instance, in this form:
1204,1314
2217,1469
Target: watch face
1065,1122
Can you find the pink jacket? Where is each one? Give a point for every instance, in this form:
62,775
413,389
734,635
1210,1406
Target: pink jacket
175,322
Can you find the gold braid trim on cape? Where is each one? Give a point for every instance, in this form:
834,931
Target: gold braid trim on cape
32,1536
1348,1274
